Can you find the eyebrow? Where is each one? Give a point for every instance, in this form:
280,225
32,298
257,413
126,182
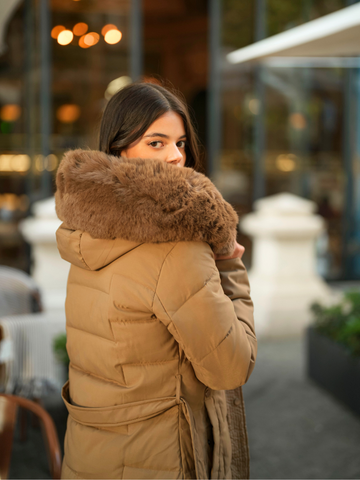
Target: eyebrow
160,135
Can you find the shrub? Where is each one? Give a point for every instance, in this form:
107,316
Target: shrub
59,346
340,322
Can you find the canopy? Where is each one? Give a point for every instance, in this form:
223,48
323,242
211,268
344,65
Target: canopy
7,8
335,35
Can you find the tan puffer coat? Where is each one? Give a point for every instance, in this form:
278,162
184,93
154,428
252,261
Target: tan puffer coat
157,331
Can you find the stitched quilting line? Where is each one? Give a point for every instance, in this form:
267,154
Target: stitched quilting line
182,343
75,367
195,293
88,287
81,255
143,364
127,321
90,333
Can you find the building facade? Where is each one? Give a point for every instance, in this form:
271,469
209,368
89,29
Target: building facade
266,128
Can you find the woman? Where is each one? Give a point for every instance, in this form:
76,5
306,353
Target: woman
159,317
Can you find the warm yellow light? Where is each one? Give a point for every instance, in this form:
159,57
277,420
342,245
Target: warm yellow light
14,163
68,113
108,27
65,37
39,163
82,44
80,29
9,201
56,30
113,36
10,112
23,202
254,106
116,85
20,163
51,162
91,39
5,163
297,121
286,162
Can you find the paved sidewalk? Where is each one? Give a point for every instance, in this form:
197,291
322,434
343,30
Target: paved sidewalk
296,430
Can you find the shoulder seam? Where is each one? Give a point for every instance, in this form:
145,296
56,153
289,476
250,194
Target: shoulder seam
160,271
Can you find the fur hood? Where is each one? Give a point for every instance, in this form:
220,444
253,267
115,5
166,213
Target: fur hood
142,200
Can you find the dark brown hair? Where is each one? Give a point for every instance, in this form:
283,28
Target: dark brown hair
131,111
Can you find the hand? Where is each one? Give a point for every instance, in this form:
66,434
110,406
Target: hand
238,252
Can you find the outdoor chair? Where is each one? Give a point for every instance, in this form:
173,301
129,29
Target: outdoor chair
19,293
8,411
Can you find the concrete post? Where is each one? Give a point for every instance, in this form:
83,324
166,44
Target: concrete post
50,271
283,276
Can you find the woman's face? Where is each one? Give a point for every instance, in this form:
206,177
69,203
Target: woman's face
165,139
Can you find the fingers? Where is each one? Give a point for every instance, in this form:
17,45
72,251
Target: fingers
238,252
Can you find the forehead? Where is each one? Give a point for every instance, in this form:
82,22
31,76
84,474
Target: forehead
170,123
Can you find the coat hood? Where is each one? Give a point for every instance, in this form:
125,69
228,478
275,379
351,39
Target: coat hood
140,201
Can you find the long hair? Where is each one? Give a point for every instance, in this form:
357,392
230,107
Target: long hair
131,111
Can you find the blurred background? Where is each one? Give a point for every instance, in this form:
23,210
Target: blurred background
274,90
269,128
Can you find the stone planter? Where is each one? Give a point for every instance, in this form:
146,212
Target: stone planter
333,368
283,277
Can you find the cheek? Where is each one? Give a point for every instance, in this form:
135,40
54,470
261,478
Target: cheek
140,150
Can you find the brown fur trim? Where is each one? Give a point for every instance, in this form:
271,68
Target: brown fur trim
142,200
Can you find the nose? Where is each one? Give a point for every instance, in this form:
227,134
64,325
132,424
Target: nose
175,156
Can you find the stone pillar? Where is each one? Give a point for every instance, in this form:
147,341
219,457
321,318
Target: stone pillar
283,276
50,271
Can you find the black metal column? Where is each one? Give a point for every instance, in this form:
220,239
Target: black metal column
259,125
348,148
29,95
136,40
214,124
45,93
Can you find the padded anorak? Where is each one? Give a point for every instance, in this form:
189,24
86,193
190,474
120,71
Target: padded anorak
160,336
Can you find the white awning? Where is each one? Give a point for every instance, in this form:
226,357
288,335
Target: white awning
334,35
7,8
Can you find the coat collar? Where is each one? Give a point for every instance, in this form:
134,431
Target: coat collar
142,200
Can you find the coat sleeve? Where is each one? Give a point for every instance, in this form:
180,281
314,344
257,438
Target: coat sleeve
215,331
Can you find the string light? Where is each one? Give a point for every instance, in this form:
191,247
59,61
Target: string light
113,36
286,162
10,201
65,37
82,43
91,39
68,113
56,30
108,27
116,85
80,29
14,163
51,162
10,112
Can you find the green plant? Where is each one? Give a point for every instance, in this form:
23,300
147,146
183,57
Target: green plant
340,322
59,346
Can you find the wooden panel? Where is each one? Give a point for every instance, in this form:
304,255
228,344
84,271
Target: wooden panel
7,425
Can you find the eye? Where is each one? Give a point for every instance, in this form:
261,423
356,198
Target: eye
181,144
155,144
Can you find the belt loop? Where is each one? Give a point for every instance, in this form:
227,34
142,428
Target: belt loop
178,388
